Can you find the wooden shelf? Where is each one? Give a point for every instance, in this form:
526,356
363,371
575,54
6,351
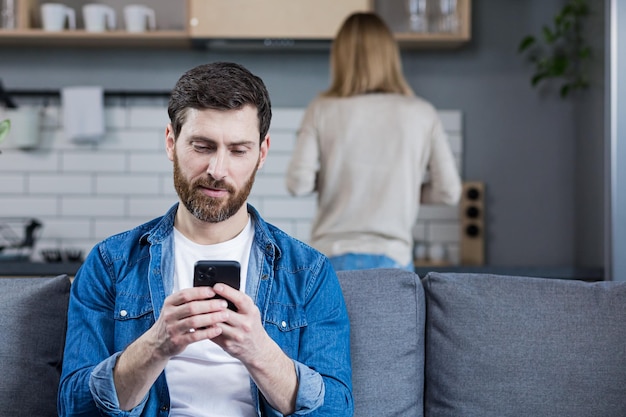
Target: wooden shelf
217,20
81,38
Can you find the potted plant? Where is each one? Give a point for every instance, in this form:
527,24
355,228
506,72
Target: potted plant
5,126
561,52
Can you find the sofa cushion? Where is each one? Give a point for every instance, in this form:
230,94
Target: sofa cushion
33,320
386,310
510,346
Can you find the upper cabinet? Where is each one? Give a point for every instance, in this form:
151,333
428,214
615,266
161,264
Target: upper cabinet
274,19
183,24
428,23
27,27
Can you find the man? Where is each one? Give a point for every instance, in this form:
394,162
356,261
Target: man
142,341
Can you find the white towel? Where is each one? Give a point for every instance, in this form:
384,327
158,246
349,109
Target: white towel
83,113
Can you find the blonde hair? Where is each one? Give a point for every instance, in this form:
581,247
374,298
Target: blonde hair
365,58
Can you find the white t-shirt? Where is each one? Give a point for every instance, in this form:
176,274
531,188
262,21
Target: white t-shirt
204,380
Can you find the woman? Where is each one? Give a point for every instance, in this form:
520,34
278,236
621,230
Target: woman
372,150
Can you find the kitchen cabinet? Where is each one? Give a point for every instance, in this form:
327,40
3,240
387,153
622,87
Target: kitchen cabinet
188,23
170,18
315,19
258,19
396,15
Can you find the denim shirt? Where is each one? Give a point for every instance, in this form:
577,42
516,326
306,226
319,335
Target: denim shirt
119,291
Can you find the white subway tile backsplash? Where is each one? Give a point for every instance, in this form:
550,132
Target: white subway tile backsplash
55,184
149,207
55,228
128,185
149,162
28,161
282,141
148,117
286,118
28,206
95,161
269,186
276,163
85,193
290,208
13,184
438,212
134,140
105,228
116,117
93,207
444,232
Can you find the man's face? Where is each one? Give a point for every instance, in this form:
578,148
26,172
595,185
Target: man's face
216,157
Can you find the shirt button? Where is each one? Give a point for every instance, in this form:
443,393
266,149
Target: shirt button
284,324
123,313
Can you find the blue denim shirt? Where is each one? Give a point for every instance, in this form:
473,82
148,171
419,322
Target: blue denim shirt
119,291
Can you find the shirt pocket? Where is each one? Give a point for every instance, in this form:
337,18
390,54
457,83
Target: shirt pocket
133,315
286,318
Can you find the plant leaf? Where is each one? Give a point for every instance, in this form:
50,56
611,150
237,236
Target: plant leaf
538,77
526,43
565,90
5,126
548,35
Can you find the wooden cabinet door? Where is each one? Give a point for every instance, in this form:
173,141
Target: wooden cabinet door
249,19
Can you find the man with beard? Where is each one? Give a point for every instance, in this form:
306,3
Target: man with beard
142,341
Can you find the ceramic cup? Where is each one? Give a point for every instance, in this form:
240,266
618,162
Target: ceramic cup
98,17
55,15
25,126
139,18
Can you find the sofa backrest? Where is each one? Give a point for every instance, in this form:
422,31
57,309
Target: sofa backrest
33,321
499,346
386,309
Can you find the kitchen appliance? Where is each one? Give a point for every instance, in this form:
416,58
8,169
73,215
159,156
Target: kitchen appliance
17,237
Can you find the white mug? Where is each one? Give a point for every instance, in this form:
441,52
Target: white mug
137,17
98,17
54,15
25,126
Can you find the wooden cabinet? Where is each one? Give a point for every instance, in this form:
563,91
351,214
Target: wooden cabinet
396,15
181,23
254,19
170,16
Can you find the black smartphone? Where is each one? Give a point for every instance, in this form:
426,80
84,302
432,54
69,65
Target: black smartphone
209,273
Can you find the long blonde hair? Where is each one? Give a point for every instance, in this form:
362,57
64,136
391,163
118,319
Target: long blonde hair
365,58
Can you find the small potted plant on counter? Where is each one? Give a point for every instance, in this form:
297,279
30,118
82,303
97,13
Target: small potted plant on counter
5,126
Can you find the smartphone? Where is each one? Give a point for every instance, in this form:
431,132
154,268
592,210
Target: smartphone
209,273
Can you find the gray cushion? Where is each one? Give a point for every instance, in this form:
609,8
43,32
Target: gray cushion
512,346
386,309
33,321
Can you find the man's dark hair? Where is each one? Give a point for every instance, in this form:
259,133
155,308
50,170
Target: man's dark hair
219,86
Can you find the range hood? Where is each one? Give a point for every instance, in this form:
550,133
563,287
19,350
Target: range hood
267,44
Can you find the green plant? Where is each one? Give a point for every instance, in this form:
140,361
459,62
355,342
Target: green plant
5,126
561,52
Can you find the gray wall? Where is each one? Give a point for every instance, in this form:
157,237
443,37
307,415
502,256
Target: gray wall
535,153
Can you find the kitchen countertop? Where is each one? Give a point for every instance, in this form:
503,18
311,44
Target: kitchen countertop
35,269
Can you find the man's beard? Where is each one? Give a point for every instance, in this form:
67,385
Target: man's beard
209,209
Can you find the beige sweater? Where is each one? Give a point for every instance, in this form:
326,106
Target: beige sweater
367,157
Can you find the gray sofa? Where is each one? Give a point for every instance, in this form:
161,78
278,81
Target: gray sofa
445,345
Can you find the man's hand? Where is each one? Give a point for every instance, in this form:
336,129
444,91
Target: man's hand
242,335
187,316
